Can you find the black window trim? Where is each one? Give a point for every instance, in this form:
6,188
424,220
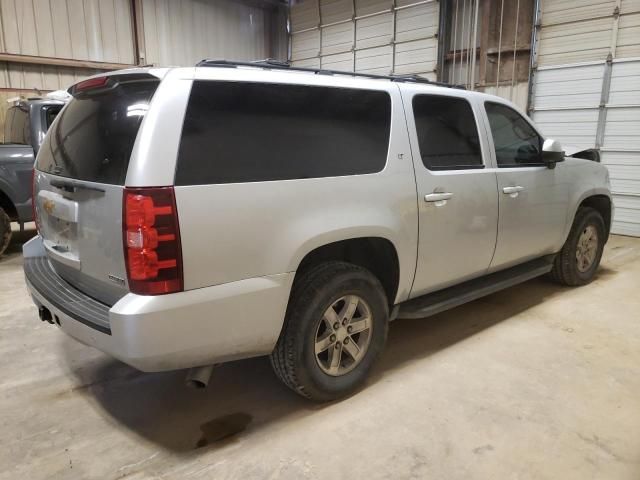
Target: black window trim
515,165
475,118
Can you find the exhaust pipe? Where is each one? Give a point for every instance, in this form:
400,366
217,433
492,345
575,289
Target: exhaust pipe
45,314
199,377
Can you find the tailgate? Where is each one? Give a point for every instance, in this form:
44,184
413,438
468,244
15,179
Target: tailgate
79,181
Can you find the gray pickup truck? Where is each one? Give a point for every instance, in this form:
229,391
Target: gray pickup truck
26,123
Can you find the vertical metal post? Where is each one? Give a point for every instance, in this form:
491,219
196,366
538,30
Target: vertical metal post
614,30
499,47
469,44
533,62
355,29
444,40
515,50
319,34
475,37
606,79
393,38
139,49
455,44
289,34
604,99
462,40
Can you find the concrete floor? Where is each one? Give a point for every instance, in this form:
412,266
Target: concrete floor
537,382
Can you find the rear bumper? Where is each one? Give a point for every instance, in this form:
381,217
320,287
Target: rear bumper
167,332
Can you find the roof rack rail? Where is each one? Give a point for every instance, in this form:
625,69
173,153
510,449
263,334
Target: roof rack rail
271,64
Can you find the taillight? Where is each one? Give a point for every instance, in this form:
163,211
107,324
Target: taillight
34,212
151,235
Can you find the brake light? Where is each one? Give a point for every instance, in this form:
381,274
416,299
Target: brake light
151,238
89,84
34,212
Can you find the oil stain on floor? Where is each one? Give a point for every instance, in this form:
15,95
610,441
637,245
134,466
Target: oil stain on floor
222,428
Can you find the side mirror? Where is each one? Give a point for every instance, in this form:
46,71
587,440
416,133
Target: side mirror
552,153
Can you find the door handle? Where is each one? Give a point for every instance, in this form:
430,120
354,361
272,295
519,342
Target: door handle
438,198
512,191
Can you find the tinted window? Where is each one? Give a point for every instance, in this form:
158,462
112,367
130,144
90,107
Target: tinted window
447,133
249,132
16,130
516,142
50,114
94,136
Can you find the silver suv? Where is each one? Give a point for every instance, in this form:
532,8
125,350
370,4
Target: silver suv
193,216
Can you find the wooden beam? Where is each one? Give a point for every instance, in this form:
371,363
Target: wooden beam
23,90
485,24
61,62
140,50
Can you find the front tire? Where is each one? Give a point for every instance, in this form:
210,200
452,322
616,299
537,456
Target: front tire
335,328
577,262
5,230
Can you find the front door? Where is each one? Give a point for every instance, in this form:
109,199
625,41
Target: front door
533,198
457,196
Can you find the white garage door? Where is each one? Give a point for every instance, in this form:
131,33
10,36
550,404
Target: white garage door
586,89
371,36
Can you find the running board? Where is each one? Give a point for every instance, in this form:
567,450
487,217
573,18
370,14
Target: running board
450,297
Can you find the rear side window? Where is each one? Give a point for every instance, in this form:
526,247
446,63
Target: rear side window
50,114
94,135
250,132
447,133
16,128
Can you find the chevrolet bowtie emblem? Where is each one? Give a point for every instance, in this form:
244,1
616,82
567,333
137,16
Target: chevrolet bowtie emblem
49,206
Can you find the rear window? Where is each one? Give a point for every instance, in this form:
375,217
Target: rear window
16,128
250,132
94,135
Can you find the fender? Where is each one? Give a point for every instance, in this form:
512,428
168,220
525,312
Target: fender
573,208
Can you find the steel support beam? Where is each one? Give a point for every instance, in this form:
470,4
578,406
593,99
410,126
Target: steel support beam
61,62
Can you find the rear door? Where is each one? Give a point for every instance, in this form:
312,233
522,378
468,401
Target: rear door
457,199
79,180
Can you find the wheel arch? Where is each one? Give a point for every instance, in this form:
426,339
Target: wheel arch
597,198
377,254
8,206
603,205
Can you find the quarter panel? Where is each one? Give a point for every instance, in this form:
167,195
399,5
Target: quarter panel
235,231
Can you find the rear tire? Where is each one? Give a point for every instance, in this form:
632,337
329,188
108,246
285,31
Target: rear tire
577,262
5,230
335,328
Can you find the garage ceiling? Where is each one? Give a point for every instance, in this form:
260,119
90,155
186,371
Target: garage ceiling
372,36
586,89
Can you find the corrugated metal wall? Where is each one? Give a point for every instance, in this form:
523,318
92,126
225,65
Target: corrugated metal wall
51,44
183,32
586,89
372,36
95,30
99,30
